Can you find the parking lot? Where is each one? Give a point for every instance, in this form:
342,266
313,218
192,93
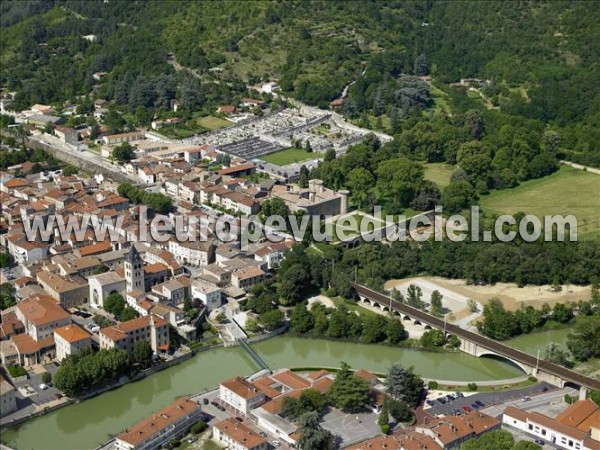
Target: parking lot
31,396
458,406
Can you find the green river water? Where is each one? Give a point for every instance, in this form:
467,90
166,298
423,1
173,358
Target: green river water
89,423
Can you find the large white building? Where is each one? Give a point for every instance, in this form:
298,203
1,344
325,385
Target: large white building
41,315
241,394
124,335
237,436
101,286
208,293
577,427
70,340
160,427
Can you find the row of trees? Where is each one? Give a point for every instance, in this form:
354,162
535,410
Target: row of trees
342,323
500,324
87,370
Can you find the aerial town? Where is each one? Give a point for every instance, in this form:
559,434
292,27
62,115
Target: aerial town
298,225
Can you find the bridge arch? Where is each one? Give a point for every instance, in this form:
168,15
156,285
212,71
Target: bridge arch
489,354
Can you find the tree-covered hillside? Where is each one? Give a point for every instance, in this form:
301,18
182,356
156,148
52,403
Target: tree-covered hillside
541,58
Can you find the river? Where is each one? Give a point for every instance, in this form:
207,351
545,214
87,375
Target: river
89,423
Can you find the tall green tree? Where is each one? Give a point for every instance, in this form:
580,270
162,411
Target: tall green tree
349,392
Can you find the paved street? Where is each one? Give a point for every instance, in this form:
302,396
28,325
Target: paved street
549,403
490,398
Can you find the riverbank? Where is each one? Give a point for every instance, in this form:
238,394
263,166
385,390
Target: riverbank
90,423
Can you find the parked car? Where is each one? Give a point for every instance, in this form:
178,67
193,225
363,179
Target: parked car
441,400
239,419
276,443
459,395
43,386
450,397
205,401
430,402
192,439
526,399
540,442
480,403
475,406
214,403
467,409
263,434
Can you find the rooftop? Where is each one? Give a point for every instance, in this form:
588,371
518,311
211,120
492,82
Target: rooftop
157,422
42,310
240,433
72,333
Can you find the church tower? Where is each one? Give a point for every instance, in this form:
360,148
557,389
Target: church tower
134,271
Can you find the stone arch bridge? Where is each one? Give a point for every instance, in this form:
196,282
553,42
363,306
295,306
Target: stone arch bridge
478,345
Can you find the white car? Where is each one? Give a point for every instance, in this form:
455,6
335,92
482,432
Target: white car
43,386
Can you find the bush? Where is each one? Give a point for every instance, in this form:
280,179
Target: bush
432,384
385,428
198,427
569,399
532,379
16,371
46,378
174,443
472,386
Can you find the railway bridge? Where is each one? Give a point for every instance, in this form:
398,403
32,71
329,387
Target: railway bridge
478,345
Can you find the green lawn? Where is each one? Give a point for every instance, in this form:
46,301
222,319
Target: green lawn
439,173
440,101
568,191
289,156
213,123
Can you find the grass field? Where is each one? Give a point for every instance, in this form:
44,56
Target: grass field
439,173
440,101
568,191
213,123
289,156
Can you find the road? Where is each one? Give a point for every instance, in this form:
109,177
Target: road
485,342
496,401
581,167
538,401
86,156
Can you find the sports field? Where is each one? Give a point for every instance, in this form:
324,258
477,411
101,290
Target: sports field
568,191
289,156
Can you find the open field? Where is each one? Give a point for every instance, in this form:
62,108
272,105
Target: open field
510,294
289,156
568,191
213,123
439,173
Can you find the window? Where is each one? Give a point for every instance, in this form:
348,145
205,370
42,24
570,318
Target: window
530,427
543,431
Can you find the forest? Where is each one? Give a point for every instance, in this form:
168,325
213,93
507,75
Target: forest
537,59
